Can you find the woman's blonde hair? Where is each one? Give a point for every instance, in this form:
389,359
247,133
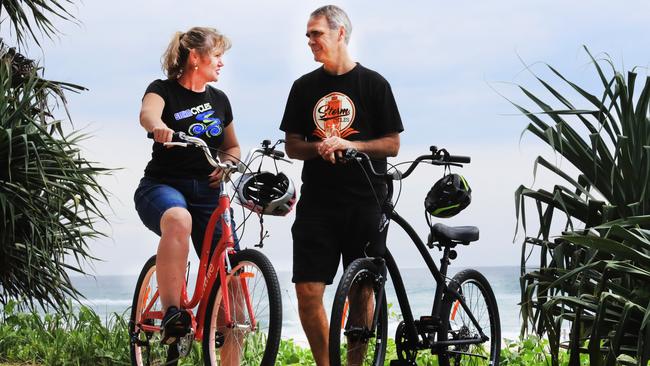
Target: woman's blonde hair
202,39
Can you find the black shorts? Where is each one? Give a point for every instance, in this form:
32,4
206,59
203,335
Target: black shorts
325,232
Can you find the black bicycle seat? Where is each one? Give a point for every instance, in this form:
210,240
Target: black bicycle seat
464,234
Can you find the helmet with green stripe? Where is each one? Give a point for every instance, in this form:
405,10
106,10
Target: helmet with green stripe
448,196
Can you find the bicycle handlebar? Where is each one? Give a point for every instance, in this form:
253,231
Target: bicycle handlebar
437,157
183,140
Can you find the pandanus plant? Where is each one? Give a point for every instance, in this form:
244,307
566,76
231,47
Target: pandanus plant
49,194
586,271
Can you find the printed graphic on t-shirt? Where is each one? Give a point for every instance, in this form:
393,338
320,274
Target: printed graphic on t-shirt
334,116
208,125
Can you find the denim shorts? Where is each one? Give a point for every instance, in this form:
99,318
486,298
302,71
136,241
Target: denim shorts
154,196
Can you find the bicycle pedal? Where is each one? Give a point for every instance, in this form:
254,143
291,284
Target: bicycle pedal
428,323
184,344
219,339
428,320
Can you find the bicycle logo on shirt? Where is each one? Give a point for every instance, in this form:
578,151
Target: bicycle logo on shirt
208,125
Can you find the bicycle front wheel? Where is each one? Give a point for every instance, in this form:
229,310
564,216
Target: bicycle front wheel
457,325
353,340
145,344
255,306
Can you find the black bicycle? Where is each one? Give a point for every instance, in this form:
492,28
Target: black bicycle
463,327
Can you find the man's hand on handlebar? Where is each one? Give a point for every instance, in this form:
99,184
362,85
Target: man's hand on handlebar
332,148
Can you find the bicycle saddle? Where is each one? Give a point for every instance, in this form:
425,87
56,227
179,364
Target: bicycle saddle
444,233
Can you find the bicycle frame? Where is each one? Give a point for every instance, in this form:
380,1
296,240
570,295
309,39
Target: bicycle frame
209,268
442,289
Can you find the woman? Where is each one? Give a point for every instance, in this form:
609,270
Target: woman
180,189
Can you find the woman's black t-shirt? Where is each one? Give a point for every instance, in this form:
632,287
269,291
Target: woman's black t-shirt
204,115
357,106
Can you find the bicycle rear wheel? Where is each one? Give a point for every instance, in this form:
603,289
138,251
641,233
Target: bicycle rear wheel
351,339
256,309
456,323
145,346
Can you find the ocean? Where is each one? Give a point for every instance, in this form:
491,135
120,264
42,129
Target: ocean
114,294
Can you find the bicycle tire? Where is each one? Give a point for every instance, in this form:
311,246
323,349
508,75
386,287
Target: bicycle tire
479,297
360,272
266,301
155,353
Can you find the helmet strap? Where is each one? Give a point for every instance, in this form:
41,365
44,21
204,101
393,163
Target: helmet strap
446,170
263,233
427,216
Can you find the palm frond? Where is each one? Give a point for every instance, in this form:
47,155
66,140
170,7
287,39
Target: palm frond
49,193
591,277
33,18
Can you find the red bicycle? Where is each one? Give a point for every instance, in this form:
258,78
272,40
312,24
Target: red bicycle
239,314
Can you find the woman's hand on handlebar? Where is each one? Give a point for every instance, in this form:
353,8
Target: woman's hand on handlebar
217,175
162,134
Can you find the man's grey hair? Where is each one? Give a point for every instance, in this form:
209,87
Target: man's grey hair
336,18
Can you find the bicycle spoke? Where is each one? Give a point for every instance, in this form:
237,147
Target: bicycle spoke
474,290
353,340
243,343
146,349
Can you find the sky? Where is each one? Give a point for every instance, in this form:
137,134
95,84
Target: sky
451,66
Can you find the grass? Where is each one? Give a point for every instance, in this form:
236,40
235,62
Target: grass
81,338
74,338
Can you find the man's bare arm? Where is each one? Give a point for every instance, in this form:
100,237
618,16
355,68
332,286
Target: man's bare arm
298,148
382,147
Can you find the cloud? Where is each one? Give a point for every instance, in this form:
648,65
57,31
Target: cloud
440,57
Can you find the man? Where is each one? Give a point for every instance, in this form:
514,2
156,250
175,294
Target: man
338,106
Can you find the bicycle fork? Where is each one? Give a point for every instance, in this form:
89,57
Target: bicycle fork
225,271
380,282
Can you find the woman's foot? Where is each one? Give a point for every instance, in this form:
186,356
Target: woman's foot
175,324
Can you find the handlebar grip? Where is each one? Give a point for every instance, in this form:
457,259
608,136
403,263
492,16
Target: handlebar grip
348,155
459,159
277,154
175,137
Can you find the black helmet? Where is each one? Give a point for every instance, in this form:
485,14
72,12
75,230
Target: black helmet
448,196
266,193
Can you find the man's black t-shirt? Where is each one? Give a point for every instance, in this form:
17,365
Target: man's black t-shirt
357,106
205,115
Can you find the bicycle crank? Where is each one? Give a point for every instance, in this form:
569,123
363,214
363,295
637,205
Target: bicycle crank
405,354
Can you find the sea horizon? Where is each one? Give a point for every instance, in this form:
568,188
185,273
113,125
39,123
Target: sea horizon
108,294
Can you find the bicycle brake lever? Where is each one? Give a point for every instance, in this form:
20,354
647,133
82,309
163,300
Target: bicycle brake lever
350,154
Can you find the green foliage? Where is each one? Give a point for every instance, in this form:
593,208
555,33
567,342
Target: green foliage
532,351
49,194
70,338
81,338
591,279
29,17
291,354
